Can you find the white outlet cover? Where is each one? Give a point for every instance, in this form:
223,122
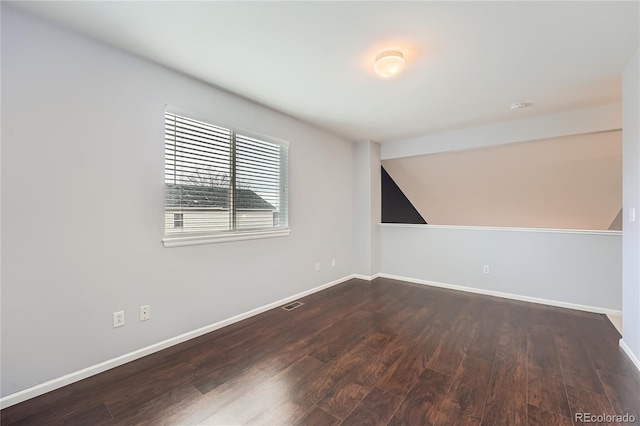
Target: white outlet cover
145,312
118,319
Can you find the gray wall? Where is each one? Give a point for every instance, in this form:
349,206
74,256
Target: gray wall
571,268
366,178
362,200
375,206
82,212
82,207
577,268
589,120
631,199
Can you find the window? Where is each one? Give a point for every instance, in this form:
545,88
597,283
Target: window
221,184
178,220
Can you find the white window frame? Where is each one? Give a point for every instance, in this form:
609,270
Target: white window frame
197,238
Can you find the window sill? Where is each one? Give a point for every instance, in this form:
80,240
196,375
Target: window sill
193,240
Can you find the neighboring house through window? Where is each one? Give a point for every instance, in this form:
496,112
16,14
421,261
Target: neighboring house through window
178,220
220,183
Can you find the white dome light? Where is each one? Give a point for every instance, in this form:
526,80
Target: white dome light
389,63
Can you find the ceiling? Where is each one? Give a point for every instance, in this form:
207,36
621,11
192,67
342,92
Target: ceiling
466,61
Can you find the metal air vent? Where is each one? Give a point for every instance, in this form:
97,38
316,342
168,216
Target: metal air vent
291,306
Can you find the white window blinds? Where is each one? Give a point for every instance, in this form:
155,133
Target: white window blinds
222,182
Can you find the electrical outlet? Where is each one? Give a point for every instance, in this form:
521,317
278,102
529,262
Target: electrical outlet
333,263
118,319
485,269
318,267
145,312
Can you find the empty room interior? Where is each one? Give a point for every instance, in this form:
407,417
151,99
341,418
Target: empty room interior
320,213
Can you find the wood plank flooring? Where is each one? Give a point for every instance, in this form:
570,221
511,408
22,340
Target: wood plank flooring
367,353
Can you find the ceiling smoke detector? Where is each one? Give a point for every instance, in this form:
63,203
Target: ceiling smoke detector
519,105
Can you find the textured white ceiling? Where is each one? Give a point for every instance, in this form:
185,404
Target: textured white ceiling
466,61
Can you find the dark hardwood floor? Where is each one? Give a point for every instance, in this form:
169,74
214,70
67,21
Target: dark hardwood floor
360,353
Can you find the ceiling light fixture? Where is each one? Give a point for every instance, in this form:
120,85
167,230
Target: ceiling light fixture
519,105
389,63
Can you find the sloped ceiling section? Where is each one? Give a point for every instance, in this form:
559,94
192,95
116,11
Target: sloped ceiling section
572,182
396,207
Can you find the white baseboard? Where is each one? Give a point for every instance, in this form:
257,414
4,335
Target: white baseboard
366,277
630,353
506,295
67,379
616,320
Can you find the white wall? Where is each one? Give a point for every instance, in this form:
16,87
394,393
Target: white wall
82,207
569,267
631,199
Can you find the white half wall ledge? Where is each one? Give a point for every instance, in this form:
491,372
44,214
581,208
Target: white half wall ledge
503,295
577,122
68,379
503,228
627,350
